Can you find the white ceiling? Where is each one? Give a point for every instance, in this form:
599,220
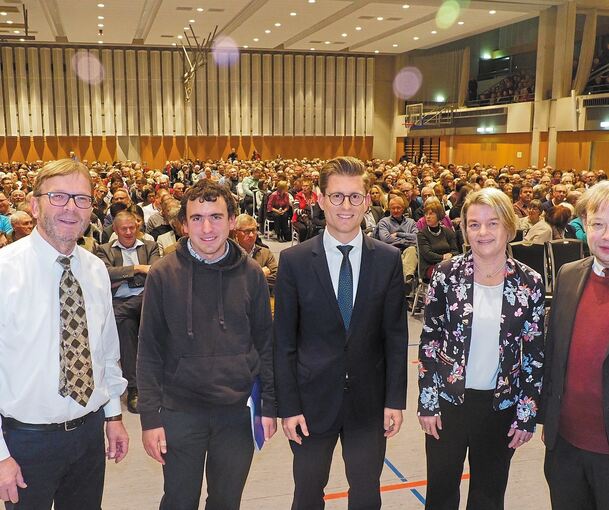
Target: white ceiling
326,25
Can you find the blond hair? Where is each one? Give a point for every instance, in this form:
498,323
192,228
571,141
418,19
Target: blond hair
496,200
60,168
593,199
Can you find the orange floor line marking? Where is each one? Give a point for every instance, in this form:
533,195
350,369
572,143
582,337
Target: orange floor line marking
387,488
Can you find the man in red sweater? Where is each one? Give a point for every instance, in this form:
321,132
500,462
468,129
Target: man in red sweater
575,400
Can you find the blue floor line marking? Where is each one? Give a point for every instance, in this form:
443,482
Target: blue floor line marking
402,478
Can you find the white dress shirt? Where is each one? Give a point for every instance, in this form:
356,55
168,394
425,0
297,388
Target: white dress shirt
130,258
335,258
30,335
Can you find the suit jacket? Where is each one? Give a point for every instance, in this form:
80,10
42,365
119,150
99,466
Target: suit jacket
148,253
314,353
446,336
570,284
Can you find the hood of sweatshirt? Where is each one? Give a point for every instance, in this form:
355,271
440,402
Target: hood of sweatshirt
234,258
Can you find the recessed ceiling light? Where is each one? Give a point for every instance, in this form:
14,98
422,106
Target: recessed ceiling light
267,31
191,21
200,9
343,35
256,39
434,32
312,49
246,46
460,22
311,1
326,42
277,24
100,5
9,22
179,37
416,38
492,11
100,17
100,25
292,14
405,6
2,13
186,28
15,31
376,51
102,42
22,39
379,18
358,28
174,44
395,45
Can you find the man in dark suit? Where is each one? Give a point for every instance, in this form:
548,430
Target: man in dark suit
128,260
575,398
340,345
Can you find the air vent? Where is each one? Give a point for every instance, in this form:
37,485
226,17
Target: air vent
315,42
183,8
168,36
601,101
215,9
366,17
393,19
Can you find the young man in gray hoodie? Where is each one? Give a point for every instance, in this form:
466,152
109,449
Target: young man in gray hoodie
205,336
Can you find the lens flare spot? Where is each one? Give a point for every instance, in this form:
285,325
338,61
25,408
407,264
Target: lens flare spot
407,82
447,14
225,51
87,67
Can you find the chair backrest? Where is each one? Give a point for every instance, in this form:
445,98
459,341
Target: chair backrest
519,236
534,256
562,251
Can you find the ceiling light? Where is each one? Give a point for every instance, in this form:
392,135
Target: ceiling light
326,42
100,42
186,28
174,44
2,13
100,25
379,18
492,11
277,24
395,45
312,49
191,21
100,17
22,39
246,46
343,35
460,22
434,32
292,14
100,5
9,22
358,28
256,39
376,51
267,31
405,6
15,31
179,37
416,38
311,1
200,9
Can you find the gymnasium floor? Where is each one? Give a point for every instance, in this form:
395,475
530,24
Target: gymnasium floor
136,483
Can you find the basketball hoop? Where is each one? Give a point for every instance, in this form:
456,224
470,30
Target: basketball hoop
407,126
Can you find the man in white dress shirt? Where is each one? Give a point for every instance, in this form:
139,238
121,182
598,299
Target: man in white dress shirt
59,372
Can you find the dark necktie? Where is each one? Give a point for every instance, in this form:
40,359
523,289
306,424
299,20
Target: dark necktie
345,286
75,365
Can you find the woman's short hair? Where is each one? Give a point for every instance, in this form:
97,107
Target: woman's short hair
496,200
535,204
558,216
593,199
434,205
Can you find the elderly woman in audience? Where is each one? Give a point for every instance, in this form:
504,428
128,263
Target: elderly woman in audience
435,242
481,359
443,219
279,211
537,231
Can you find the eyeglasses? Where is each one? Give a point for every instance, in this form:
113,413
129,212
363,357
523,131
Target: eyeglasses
59,199
598,227
338,198
248,231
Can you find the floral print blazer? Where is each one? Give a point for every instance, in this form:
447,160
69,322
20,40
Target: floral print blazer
446,335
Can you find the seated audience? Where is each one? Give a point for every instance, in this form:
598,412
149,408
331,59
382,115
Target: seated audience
22,224
536,230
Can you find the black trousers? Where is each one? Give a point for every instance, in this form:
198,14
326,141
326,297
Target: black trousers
127,313
578,479
363,446
475,429
281,223
217,442
65,469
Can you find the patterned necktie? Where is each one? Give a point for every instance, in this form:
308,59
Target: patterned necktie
75,366
345,286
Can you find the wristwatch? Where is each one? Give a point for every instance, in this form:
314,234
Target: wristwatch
118,417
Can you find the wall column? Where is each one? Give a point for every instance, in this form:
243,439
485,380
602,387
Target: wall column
385,108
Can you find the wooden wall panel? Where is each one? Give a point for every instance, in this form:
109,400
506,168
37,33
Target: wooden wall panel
573,151
492,149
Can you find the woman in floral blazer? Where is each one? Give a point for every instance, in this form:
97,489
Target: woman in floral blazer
486,306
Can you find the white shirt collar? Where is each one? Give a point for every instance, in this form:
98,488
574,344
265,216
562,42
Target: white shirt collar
598,268
47,252
330,242
138,242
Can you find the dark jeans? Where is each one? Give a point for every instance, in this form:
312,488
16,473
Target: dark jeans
476,427
223,438
61,468
281,223
127,313
578,479
363,447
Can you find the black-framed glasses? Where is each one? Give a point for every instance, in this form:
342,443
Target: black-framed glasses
60,199
338,198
